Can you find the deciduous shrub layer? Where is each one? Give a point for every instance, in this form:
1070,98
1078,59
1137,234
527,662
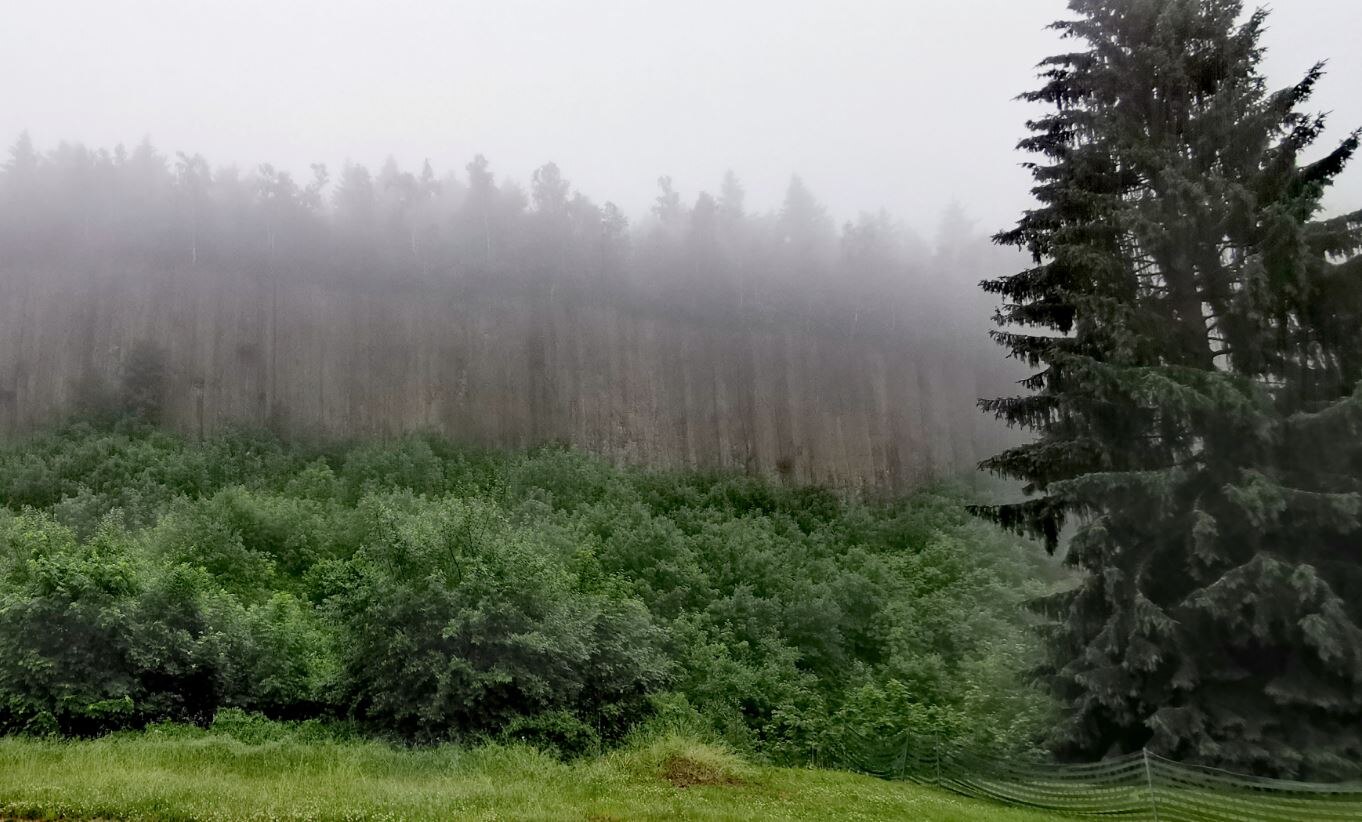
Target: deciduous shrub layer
429,592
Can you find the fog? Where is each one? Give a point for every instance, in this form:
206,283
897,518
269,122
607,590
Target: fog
877,103
285,207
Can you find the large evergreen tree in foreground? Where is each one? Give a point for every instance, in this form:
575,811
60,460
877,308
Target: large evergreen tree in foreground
1196,330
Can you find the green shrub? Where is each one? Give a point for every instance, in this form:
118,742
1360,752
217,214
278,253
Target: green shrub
406,465
456,621
98,637
65,619
431,592
561,733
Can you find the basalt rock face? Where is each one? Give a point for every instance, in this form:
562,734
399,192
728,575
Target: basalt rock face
822,403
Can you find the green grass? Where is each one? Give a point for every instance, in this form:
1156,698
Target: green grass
147,776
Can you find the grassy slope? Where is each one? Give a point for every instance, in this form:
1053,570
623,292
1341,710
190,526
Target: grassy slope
135,776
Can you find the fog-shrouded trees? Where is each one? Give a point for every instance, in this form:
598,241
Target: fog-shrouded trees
1193,322
702,252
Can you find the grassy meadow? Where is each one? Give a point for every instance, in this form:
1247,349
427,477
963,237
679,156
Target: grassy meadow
211,777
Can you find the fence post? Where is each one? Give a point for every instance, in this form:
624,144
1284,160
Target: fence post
938,759
1149,779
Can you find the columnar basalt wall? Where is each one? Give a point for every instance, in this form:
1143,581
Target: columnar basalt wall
505,367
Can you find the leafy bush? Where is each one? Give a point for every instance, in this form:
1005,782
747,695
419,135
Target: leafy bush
428,592
561,733
94,635
65,616
457,621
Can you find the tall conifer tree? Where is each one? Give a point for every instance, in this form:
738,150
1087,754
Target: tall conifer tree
1196,330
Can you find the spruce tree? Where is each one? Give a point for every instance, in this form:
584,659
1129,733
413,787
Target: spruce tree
1195,329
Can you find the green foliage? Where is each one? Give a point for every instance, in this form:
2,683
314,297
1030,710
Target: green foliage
430,592
97,635
561,733
65,614
1194,326
458,621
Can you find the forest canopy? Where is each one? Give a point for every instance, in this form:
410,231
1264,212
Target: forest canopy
712,254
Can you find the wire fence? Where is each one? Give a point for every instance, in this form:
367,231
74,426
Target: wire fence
1137,786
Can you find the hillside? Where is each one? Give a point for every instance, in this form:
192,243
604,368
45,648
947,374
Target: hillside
704,336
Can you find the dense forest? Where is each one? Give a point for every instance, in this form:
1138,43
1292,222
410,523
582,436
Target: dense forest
712,254
707,335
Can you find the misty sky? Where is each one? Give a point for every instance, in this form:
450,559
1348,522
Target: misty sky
903,104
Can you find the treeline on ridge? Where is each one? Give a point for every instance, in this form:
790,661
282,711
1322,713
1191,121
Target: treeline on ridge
714,256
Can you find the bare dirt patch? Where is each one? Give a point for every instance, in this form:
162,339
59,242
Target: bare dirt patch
684,772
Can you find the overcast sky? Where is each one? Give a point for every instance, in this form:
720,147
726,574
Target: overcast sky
902,104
